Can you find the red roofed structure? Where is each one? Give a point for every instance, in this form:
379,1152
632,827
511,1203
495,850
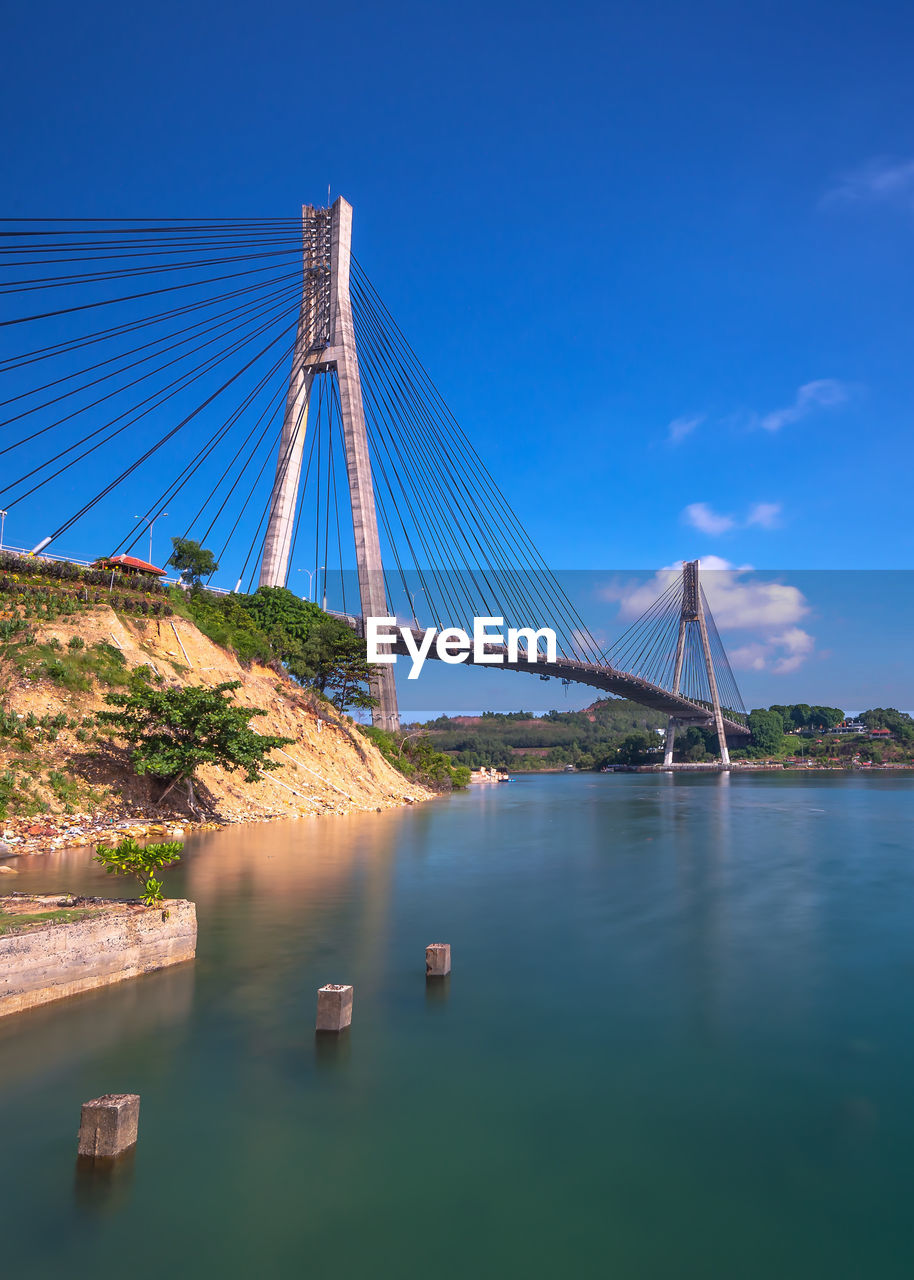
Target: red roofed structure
129,564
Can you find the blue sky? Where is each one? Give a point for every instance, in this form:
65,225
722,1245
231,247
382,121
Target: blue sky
658,258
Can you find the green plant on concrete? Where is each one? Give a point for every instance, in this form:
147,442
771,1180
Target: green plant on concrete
171,732
129,858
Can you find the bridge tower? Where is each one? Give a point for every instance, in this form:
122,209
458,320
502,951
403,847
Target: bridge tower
692,614
325,343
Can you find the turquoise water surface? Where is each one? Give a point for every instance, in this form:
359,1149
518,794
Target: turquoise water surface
678,1041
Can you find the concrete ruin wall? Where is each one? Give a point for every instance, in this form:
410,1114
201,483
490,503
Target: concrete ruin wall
50,962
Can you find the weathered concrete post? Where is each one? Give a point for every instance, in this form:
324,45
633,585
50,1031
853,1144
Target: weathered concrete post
437,959
334,1007
108,1125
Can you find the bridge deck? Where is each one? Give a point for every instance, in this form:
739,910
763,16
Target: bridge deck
599,676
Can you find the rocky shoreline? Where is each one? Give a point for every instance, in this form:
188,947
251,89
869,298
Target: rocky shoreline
32,837
20,837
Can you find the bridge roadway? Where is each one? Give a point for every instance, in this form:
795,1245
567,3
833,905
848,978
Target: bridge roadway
598,675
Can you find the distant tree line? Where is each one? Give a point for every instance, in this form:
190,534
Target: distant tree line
619,732
775,733
612,731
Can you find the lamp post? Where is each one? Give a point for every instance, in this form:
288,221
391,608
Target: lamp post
2,523
412,599
311,575
150,523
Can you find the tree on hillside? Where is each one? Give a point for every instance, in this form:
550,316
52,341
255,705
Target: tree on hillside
800,715
191,560
283,615
767,729
825,717
898,722
635,748
171,732
784,713
343,668
316,649
696,744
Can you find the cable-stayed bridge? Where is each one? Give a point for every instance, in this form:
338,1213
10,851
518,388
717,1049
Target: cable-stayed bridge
246,377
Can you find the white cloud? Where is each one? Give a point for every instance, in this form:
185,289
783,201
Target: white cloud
797,644
879,180
824,393
740,600
766,515
700,516
820,393
679,428
749,657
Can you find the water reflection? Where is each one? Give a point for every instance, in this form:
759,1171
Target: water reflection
332,1049
104,1187
437,991
669,1001
56,1039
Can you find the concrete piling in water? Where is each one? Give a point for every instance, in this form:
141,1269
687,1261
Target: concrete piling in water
334,1007
108,1125
437,960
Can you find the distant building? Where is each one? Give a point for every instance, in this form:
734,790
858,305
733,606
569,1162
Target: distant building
881,735
849,726
130,564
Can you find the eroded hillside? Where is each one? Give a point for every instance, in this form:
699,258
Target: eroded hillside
58,772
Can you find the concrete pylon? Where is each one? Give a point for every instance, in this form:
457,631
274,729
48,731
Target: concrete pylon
325,343
692,613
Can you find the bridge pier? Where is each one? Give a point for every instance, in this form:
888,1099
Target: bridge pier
325,343
670,743
692,612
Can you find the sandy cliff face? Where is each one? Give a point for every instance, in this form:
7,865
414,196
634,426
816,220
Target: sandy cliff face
328,767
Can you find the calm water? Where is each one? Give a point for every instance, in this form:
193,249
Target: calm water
678,1041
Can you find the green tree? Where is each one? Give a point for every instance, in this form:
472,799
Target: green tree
784,713
171,732
767,729
316,649
193,561
693,745
825,717
899,723
129,858
415,757
800,714
635,748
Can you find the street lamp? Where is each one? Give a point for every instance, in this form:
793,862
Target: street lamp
311,574
412,599
3,515
150,523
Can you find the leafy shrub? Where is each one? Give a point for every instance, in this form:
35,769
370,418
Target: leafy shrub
129,858
417,758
